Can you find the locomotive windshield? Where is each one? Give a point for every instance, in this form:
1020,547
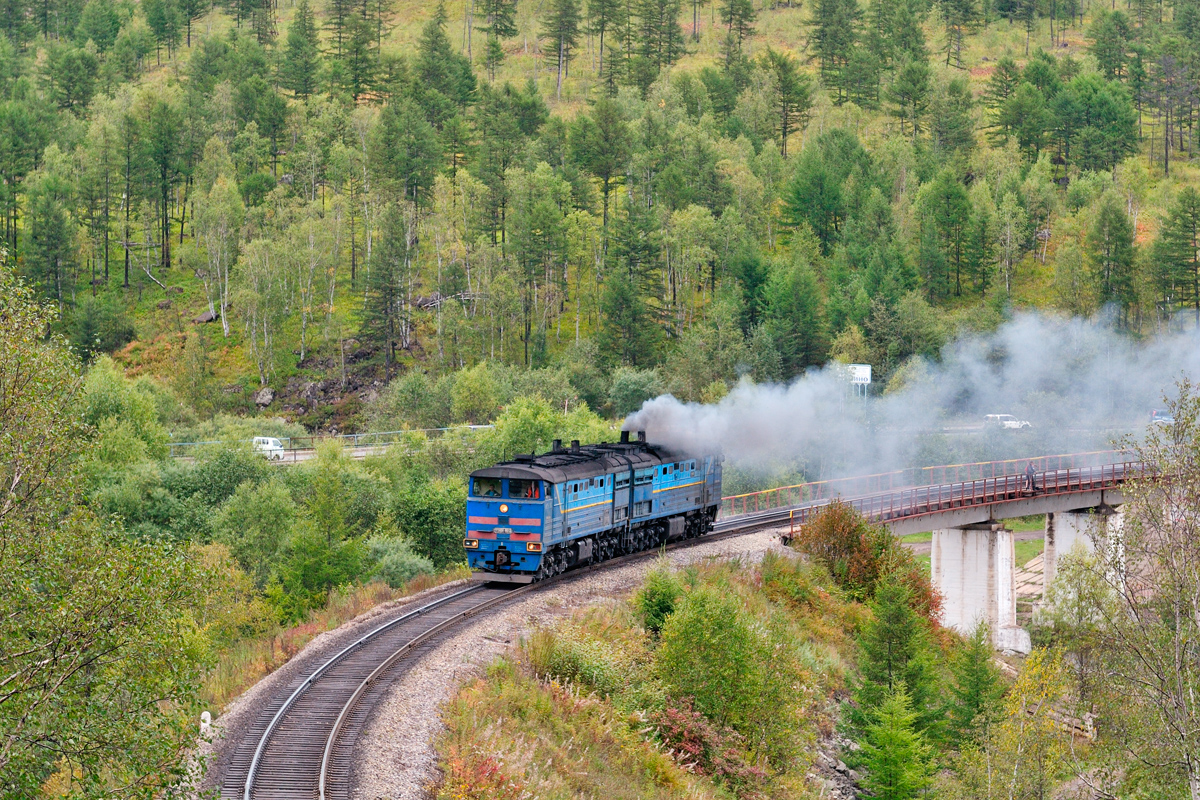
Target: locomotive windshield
527,490
486,487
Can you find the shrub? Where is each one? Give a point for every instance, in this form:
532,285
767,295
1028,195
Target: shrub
697,743
228,428
571,656
312,565
708,653
656,599
859,555
475,396
107,395
99,326
740,671
395,562
254,523
431,516
218,474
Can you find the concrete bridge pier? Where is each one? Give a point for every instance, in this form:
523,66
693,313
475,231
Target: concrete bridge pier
974,568
1100,524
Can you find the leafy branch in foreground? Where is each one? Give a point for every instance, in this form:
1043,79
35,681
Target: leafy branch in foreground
99,654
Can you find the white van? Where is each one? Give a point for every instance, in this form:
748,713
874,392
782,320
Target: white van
270,447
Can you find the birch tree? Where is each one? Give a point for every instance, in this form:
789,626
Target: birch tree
218,222
260,302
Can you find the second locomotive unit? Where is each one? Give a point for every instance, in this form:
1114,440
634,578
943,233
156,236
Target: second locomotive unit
539,515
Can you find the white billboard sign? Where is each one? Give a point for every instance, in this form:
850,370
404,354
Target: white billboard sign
860,374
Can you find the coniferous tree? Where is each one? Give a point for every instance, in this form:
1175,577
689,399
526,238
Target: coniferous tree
897,759
980,260
951,125
958,16
600,143
100,24
1111,251
340,13
860,78
500,24
444,76
165,22
386,314
696,6
738,18
1178,247
406,150
793,314
896,654
1006,77
163,159
1111,36
946,210
976,689
601,18
630,333
358,61
908,95
562,27
793,94
301,55
659,40
190,10
835,25
48,245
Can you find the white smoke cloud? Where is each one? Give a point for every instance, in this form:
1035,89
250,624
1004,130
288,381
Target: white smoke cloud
1079,383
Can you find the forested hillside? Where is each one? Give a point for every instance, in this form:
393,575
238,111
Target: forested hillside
642,195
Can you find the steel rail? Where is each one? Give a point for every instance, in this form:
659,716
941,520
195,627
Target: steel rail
308,682
386,664
914,501
732,528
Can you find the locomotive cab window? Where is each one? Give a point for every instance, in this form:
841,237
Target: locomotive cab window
486,487
524,490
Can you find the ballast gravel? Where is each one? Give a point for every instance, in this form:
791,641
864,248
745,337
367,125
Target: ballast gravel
216,746
395,758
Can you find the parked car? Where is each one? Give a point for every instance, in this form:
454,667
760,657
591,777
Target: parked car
1161,417
270,447
1005,421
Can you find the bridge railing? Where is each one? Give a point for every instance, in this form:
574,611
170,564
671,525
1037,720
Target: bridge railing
785,496
920,501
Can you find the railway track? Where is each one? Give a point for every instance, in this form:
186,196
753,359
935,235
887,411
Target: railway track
301,746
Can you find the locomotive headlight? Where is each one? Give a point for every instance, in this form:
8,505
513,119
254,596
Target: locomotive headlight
504,508
471,544
533,547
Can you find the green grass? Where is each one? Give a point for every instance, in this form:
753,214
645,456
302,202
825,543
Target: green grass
1028,550
917,538
1035,522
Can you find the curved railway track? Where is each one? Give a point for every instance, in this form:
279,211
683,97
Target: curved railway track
301,746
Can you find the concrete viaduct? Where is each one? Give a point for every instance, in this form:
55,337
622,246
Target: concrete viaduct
972,552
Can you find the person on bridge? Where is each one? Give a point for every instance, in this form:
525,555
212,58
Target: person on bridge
1030,477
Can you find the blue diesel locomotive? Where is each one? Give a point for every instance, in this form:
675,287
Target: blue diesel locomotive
536,516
